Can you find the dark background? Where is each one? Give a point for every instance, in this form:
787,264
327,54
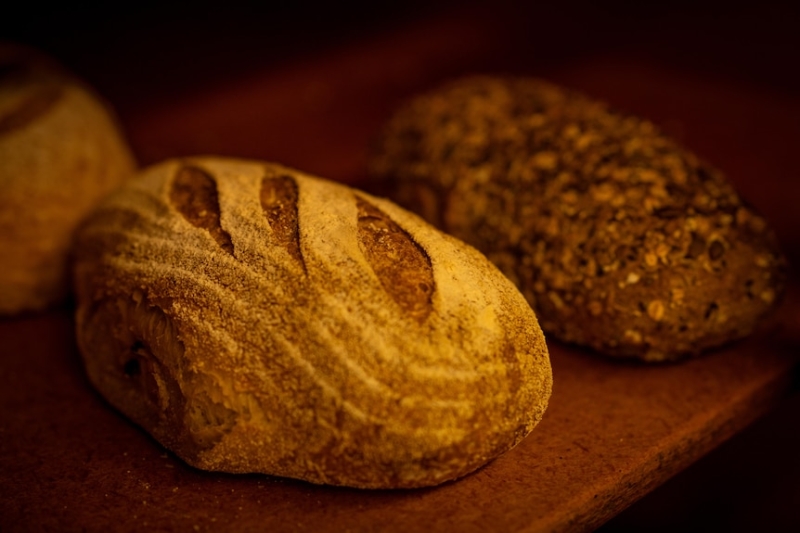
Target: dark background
140,54
137,50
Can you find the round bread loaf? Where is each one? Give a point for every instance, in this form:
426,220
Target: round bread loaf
255,319
60,151
621,239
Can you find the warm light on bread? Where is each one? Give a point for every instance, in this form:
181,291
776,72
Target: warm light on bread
60,151
621,239
256,319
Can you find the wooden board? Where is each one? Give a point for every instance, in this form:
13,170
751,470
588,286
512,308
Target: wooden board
613,431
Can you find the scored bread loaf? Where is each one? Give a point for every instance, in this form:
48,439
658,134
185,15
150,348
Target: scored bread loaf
60,151
621,239
256,319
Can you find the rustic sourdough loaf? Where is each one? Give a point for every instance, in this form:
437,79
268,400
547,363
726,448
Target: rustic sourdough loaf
60,151
621,239
256,319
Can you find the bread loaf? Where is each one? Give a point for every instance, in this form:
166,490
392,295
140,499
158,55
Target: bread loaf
256,319
60,151
621,239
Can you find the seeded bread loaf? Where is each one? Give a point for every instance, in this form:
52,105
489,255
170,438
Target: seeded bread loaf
60,151
256,319
621,239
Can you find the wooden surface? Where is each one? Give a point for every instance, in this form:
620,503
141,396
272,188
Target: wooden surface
613,431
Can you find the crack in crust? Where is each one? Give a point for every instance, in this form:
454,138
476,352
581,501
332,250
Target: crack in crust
402,266
279,201
194,195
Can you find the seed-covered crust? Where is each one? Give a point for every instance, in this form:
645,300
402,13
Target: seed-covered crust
256,319
621,239
60,152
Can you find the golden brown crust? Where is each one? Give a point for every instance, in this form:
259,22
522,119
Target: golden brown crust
298,350
60,151
621,239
